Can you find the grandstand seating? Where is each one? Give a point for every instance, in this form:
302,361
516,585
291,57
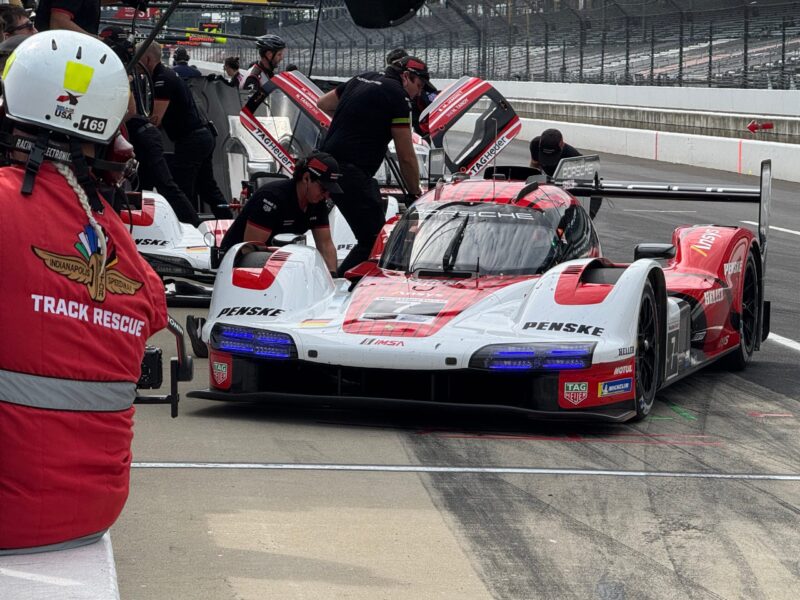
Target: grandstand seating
654,43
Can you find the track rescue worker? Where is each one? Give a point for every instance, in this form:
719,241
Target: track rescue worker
368,111
79,300
547,150
292,206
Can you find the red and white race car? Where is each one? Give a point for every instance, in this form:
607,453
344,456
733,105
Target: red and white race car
495,292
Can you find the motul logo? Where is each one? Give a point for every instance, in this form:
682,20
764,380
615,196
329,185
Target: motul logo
623,370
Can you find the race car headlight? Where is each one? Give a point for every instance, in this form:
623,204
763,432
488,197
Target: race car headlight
258,343
533,357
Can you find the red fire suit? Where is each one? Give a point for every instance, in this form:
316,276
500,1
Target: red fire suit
72,336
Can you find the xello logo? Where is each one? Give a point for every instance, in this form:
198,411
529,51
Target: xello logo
576,391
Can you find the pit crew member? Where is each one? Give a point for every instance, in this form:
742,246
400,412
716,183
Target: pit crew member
547,150
368,111
292,206
175,110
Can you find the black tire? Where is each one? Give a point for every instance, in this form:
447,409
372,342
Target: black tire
748,321
648,353
253,260
143,90
193,327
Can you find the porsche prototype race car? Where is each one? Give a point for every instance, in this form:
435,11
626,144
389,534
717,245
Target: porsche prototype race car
489,292
496,292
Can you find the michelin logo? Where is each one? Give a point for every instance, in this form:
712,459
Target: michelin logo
612,388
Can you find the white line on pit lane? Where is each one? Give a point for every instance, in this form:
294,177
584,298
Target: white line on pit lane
464,470
779,339
59,581
652,210
792,231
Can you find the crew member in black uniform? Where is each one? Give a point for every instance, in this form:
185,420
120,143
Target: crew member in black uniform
153,172
368,112
176,112
82,16
291,206
421,102
547,150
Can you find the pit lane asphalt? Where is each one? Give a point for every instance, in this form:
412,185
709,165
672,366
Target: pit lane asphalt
613,530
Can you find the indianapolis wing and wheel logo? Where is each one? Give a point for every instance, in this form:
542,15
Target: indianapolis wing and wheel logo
87,267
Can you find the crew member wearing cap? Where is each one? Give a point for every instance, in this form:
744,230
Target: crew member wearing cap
369,111
547,150
422,101
291,206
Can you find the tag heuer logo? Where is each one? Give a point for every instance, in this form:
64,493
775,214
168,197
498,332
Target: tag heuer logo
220,372
576,392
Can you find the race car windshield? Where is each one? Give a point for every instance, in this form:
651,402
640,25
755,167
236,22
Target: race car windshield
488,239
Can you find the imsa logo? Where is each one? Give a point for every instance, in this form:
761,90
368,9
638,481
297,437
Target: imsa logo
576,391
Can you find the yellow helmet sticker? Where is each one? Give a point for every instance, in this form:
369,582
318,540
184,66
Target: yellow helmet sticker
77,77
9,62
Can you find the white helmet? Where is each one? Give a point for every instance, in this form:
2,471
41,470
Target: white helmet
67,82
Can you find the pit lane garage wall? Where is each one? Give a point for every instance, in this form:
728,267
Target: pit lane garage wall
739,155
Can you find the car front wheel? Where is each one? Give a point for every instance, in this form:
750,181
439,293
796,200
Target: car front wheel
648,353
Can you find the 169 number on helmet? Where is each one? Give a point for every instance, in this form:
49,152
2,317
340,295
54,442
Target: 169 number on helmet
93,124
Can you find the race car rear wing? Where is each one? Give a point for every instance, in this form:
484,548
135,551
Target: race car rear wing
581,177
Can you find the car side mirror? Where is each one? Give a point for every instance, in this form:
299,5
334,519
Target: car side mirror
654,251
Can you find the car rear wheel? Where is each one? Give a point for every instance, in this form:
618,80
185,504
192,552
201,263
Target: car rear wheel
748,321
648,353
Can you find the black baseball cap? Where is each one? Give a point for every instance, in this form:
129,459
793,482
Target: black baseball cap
112,33
414,65
325,169
550,147
395,55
